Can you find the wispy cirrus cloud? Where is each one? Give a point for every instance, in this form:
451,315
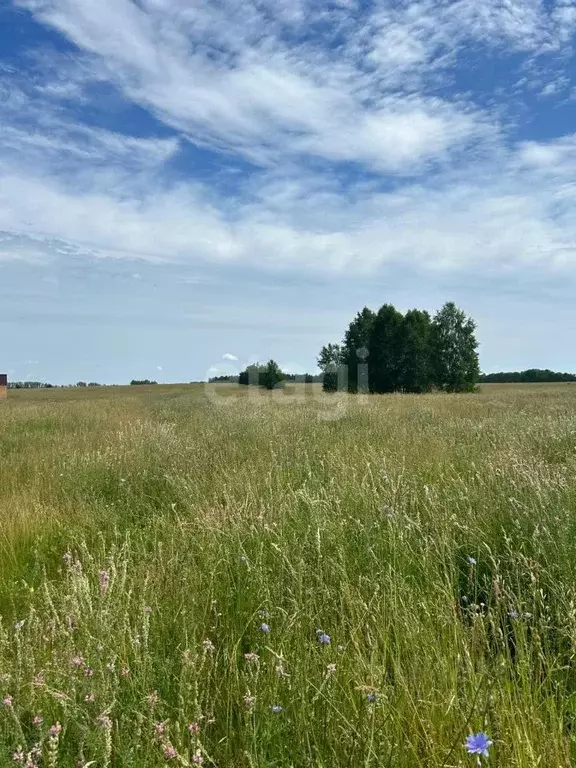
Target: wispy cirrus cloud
365,149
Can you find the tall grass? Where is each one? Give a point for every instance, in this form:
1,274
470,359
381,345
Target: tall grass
169,568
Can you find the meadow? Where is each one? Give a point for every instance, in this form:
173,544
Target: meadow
268,580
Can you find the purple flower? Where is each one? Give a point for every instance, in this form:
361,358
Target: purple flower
323,638
264,628
55,730
471,560
372,698
478,744
7,701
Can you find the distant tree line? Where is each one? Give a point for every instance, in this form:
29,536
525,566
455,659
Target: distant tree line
387,351
271,376
139,382
263,375
29,385
530,376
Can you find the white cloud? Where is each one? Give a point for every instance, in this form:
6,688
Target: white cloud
228,356
246,79
232,80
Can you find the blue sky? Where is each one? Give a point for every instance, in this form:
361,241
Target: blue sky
184,183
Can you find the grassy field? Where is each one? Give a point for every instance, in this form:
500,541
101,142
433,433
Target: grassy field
173,564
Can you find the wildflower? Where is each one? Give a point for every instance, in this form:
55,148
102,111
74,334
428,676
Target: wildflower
372,698
19,756
276,709
471,560
513,614
125,671
264,628
208,645
148,609
55,730
105,723
169,752
78,661
249,701
331,669
193,729
197,758
8,701
478,744
153,698
159,729
251,657
19,625
37,720
89,698
104,580
323,638
88,672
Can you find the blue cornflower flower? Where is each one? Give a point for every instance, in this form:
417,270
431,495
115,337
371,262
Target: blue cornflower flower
276,709
264,628
372,698
323,638
478,744
471,560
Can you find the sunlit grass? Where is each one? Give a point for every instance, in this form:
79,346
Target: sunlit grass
147,535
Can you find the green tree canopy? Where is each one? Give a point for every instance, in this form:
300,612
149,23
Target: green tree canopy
454,350
415,353
355,346
385,350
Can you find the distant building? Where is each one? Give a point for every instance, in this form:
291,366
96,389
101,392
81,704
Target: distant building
3,385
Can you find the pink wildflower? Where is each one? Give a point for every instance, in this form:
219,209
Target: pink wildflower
169,752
